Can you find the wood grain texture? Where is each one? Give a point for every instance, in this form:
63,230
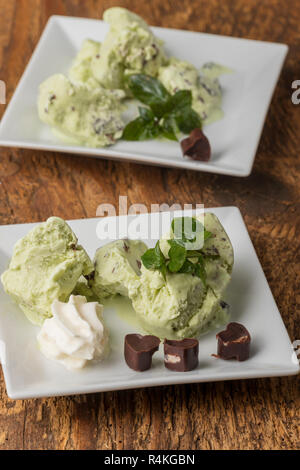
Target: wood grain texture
254,414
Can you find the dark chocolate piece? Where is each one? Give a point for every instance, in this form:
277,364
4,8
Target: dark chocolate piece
234,342
196,146
138,351
181,356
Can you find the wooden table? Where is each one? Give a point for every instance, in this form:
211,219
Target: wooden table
253,414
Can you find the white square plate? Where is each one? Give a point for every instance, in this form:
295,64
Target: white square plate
234,139
29,374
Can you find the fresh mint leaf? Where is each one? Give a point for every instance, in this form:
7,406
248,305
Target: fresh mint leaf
159,252
187,120
196,268
167,114
186,228
163,270
177,241
177,255
150,260
180,259
200,271
188,267
150,91
154,259
207,235
160,255
181,100
180,107
146,114
141,129
169,127
192,233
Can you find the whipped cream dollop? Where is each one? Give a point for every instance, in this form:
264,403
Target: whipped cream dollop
76,333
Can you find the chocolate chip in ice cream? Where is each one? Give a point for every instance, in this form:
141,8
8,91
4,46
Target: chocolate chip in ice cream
90,277
138,351
181,356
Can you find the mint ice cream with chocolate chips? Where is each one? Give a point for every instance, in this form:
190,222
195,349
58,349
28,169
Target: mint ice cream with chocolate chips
81,70
117,268
81,114
177,305
86,106
45,266
129,47
176,292
204,85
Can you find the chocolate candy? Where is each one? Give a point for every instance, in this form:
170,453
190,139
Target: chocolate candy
234,342
196,146
181,356
138,351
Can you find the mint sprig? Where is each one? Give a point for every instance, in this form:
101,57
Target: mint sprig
151,92
189,230
180,259
154,259
177,256
166,115
142,128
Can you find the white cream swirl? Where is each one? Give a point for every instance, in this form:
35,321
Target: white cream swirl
75,334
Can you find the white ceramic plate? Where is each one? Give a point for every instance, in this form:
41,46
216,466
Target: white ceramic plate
28,374
234,139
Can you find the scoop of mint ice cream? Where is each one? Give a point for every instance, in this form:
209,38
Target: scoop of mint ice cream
81,70
117,268
177,306
89,116
164,306
129,47
46,265
86,107
181,305
204,84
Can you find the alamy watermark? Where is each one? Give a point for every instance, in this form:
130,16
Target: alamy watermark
136,222
296,351
296,94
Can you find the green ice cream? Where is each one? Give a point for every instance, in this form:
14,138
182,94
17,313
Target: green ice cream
165,306
85,115
45,266
181,305
83,289
117,268
129,47
81,70
204,85
86,108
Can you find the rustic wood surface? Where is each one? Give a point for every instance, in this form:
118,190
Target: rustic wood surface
254,414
